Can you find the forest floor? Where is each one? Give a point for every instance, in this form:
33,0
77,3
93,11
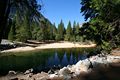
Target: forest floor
37,45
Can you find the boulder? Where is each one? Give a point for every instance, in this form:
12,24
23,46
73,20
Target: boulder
53,76
41,76
12,73
28,71
64,71
82,65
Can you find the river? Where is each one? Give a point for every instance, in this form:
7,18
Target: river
41,60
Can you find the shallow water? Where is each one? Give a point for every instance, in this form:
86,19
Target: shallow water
42,60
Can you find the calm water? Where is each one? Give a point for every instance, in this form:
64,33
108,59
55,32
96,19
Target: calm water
42,60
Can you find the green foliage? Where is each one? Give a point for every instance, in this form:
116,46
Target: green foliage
77,30
12,32
54,31
35,32
103,26
44,30
61,31
9,9
69,29
69,32
22,29
22,35
40,35
74,27
11,35
58,37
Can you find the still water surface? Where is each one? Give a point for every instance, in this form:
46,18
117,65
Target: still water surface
42,60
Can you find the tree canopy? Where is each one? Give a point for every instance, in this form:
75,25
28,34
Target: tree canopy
104,24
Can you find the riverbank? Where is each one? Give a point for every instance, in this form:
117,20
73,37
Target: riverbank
51,46
99,67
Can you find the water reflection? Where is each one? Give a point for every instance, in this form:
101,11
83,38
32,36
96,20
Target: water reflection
55,61
71,59
41,60
60,59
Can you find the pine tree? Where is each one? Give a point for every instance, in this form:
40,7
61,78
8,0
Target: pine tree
23,32
61,31
11,35
74,26
77,29
54,31
69,32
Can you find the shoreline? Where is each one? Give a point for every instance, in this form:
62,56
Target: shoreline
102,63
56,45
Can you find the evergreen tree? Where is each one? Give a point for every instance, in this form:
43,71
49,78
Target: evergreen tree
78,36
69,32
54,31
34,32
11,35
74,26
23,32
40,35
49,31
61,31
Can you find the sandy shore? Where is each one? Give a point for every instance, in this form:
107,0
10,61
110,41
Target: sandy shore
51,46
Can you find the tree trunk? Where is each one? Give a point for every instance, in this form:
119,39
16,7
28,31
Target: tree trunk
4,13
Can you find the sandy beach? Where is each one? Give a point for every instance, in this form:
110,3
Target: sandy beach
51,46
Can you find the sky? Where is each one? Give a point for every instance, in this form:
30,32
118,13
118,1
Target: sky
67,10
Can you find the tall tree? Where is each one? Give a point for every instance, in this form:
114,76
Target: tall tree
54,31
69,32
12,33
77,30
61,31
74,26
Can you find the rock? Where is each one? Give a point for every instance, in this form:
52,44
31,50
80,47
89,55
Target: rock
82,65
12,73
41,76
25,77
113,59
64,71
51,71
28,71
53,76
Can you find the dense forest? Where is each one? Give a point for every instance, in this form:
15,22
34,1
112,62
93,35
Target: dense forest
44,31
